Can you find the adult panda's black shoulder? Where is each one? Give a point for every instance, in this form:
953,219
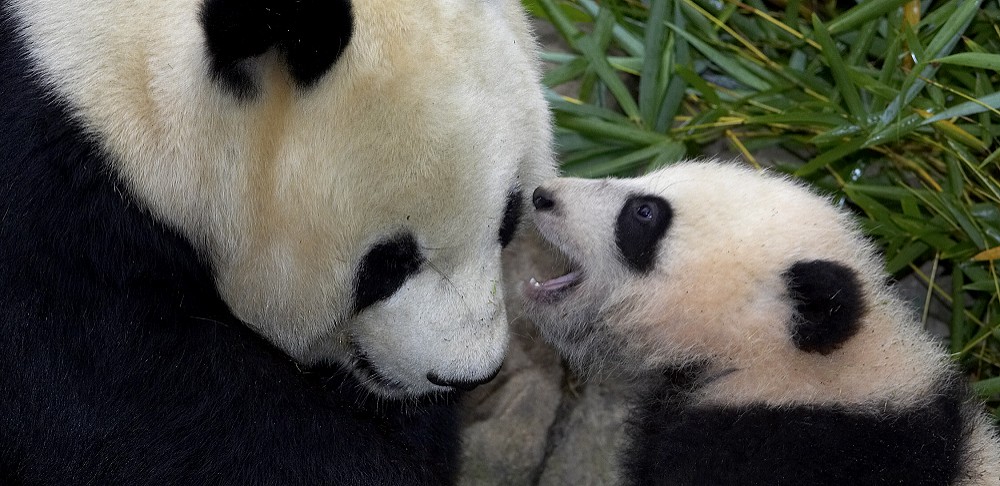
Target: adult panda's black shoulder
252,242
755,323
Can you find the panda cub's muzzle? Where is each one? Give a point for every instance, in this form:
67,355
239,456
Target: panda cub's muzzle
557,287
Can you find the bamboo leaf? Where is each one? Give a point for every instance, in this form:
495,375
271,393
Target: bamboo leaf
863,13
944,41
834,154
988,255
725,63
609,130
839,70
972,59
592,48
987,388
631,44
985,103
668,149
649,97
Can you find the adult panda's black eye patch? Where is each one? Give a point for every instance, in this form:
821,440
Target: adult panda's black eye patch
310,34
828,304
385,268
511,218
641,224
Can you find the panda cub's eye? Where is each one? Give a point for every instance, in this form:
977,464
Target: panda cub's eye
641,224
645,212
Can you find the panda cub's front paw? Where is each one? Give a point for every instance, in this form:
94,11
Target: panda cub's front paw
310,35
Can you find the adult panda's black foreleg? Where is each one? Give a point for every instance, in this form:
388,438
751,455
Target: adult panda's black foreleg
310,34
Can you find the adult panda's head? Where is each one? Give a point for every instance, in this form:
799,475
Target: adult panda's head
349,169
719,266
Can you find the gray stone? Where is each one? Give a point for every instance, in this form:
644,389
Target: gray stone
588,433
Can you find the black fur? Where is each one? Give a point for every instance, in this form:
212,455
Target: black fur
385,268
828,304
310,34
120,363
672,441
511,217
641,224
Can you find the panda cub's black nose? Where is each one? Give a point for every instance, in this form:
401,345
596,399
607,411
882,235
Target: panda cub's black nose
542,199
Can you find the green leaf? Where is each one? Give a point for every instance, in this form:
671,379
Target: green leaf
834,154
944,41
987,388
631,44
972,59
839,70
906,256
985,103
650,97
565,73
668,149
560,20
724,62
614,131
698,84
593,48
868,11
896,131
960,330
562,105
798,119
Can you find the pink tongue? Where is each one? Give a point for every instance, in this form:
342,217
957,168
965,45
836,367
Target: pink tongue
560,282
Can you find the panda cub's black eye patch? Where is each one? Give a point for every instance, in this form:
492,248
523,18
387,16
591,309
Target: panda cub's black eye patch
641,224
385,268
511,218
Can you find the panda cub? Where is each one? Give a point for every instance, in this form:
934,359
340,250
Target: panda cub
754,319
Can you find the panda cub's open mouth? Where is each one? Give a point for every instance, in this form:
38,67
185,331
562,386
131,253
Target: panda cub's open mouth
552,289
557,287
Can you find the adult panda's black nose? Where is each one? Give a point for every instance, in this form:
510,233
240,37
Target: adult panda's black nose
465,384
542,199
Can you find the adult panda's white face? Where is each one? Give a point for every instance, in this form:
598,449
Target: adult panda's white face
346,168
698,262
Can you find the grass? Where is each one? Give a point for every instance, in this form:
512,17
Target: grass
893,106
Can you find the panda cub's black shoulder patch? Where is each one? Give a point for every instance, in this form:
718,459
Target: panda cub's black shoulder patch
311,35
828,304
641,224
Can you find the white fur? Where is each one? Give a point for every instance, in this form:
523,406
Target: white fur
433,113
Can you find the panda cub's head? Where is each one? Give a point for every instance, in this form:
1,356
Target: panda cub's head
349,169
751,275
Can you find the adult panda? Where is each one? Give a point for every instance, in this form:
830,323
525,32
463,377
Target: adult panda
754,322
252,242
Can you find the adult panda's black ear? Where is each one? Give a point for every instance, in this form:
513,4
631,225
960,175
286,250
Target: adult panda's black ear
310,34
828,304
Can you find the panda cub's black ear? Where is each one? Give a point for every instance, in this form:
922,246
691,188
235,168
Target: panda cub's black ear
828,304
310,34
